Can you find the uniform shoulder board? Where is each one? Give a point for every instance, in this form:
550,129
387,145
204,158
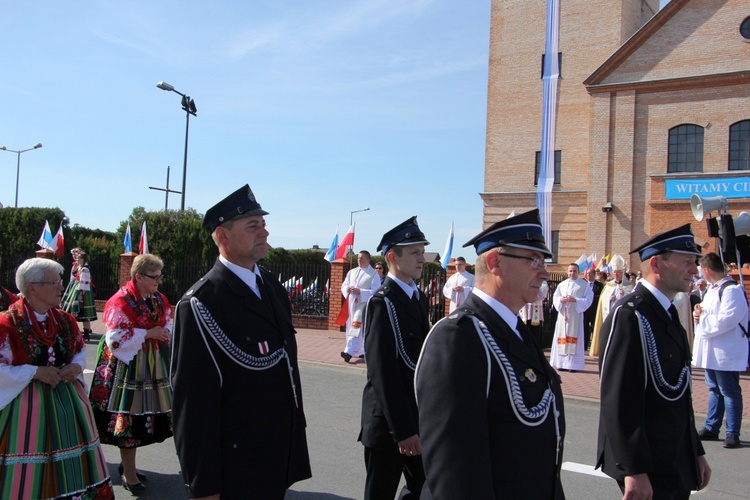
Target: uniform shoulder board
382,291
631,302
196,286
459,313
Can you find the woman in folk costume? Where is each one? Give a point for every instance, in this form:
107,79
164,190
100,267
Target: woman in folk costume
533,313
49,447
613,290
571,299
86,306
70,296
131,393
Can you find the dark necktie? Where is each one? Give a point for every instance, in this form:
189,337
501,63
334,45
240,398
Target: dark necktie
415,299
258,287
522,329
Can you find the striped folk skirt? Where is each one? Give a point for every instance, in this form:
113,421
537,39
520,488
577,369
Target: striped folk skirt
49,447
69,301
87,306
132,402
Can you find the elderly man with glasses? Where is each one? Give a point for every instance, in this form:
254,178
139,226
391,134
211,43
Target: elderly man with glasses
483,382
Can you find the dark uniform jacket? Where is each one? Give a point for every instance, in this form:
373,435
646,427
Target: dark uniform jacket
639,430
473,445
237,428
389,409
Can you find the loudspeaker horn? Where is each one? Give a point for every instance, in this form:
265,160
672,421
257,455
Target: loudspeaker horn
742,224
702,206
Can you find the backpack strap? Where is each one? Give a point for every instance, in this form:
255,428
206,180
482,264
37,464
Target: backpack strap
731,282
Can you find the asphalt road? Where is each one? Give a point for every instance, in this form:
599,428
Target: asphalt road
332,398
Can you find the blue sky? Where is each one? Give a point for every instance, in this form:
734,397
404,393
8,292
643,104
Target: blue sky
322,106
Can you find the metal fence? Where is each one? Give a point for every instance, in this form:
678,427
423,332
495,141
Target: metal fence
307,286
105,275
8,266
431,283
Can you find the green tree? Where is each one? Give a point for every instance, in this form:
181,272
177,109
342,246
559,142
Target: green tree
173,235
278,255
21,228
179,239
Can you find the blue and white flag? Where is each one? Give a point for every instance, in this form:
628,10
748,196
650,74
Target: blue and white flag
550,79
45,240
331,254
128,242
582,262
448,250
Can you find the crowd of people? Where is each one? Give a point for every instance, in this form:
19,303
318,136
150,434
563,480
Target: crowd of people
442,404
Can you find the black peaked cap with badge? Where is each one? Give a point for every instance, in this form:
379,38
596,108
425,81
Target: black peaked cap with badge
521,231
406,233
679,240
237,205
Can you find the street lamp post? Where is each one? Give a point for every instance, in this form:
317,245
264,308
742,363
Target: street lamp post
18,163
351,221
351,214
188,105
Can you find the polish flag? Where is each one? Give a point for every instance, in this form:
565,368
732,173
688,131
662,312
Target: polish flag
60,241
143,244
346,243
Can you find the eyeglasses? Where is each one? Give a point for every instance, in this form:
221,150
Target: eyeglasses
536,262
50,283
155,278
378,268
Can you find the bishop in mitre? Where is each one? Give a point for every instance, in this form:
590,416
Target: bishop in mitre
613,291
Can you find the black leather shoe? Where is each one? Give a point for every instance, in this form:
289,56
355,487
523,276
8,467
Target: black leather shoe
706,435
134,489
140,475
732,441
347,357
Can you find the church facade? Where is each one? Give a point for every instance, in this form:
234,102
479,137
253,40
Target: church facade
653,106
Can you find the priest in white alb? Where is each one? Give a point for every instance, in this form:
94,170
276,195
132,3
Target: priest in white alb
358,286
459,286
571,299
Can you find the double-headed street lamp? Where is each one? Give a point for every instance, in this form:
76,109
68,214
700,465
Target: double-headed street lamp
18,164
188,105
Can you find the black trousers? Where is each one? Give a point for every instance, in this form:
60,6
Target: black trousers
384,469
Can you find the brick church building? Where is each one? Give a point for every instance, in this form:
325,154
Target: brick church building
653,106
